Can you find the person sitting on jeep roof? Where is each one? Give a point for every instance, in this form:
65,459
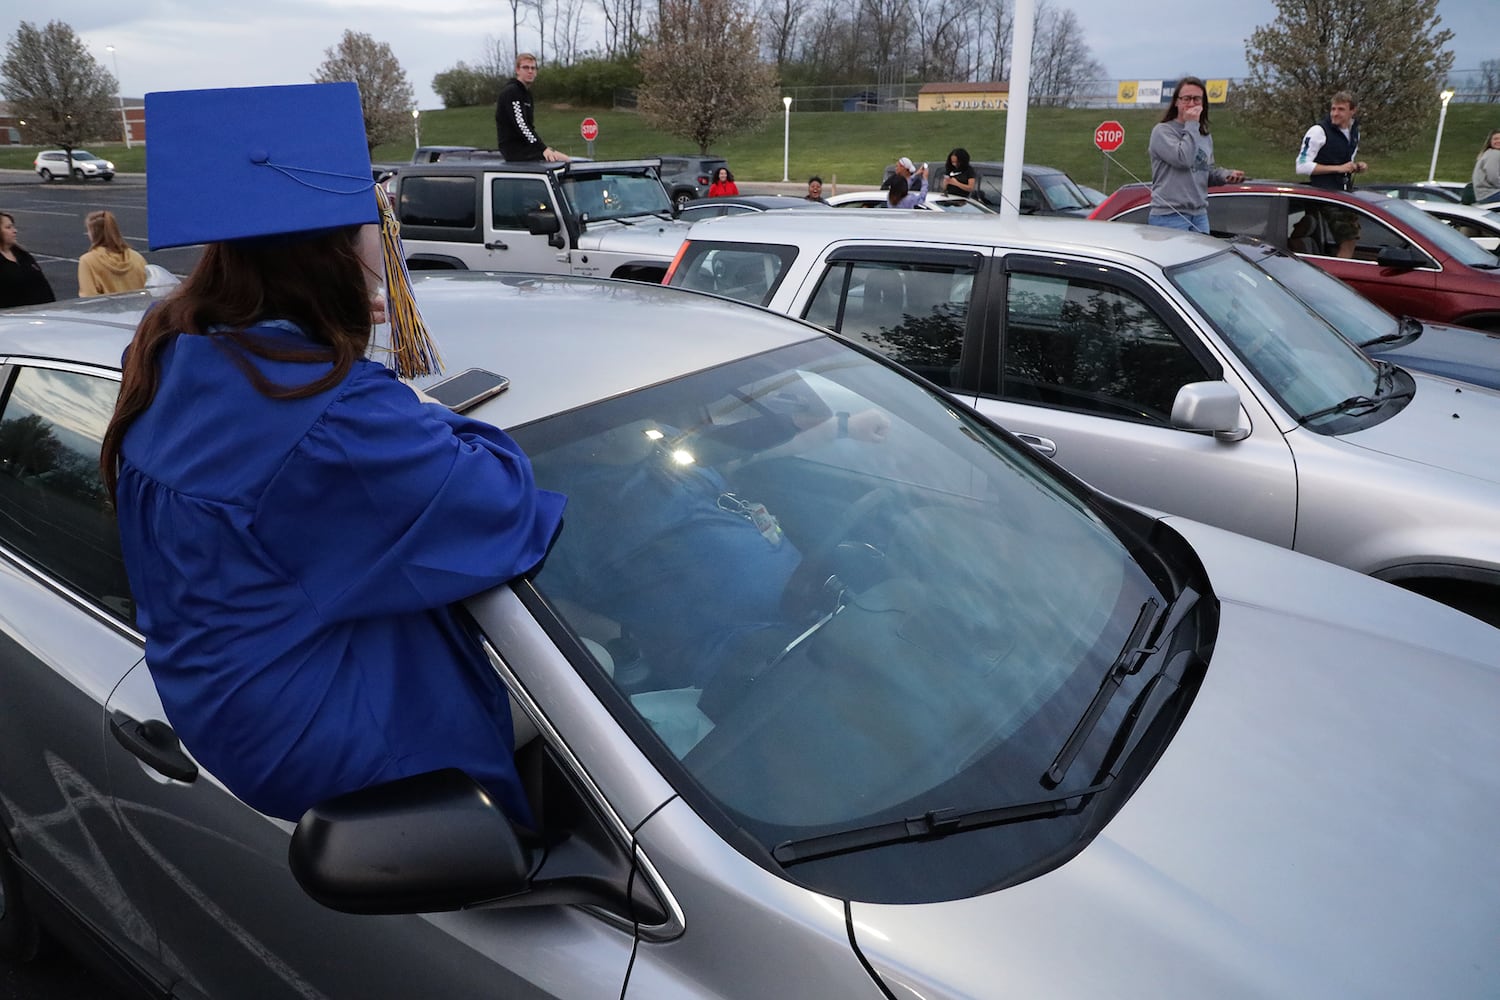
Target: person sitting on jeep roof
515,131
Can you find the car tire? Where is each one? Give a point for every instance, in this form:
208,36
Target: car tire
46,175
78,173
107,178
20,934
680,199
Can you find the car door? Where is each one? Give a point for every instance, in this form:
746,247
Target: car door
508,199
66,638
1090,360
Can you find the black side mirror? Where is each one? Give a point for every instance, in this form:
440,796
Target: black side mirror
543,223
1404,258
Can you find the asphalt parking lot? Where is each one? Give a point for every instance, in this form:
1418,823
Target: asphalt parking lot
50,222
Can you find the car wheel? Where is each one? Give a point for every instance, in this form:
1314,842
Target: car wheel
78,173
46,175
108,177
680,199
20,935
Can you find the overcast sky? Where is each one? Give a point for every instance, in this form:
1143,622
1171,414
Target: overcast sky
177,44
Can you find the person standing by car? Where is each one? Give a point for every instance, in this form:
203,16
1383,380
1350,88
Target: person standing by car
1327,157
296,522
515,129
1486,177
22,282
898,195
914,176
110,265
1182,161
958,176
723,185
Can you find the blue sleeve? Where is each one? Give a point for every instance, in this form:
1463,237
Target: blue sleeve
391,505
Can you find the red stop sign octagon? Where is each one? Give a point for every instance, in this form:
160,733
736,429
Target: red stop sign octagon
589,129
1109,136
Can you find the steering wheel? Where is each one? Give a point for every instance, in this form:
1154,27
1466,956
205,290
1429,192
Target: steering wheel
804,587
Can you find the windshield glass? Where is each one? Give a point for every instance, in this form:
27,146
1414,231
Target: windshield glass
1448,239
1353,315
1061,191
617,195
1293,352
836,600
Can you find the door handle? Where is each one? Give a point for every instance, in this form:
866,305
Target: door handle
496,245
154,742
1046,446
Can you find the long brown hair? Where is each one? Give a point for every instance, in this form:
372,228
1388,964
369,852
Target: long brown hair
316,282
1171,113
105,232
1487,140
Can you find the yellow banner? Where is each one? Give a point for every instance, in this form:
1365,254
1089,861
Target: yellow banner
1218,91
1127,92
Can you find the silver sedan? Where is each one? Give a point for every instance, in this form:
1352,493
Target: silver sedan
828,687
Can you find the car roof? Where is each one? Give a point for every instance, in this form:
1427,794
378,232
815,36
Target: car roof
532,329
767,201
1072,235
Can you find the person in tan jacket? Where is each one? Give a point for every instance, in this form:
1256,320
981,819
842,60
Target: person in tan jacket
110,266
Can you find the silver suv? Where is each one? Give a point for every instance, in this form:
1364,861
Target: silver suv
84,165
1174,371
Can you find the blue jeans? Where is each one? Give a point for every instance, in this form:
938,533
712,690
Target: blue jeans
1187,223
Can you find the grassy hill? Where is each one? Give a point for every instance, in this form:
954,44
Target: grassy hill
855,148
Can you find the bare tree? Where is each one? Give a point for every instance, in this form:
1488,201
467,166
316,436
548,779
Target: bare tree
779,20
568,23
1061,61
1487,81
516,16
65,95
624,26
1388,53
385,96
938,28
702,74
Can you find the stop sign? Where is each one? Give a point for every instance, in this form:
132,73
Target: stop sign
1109,136
589,129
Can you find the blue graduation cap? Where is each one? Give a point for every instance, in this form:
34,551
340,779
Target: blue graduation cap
244,162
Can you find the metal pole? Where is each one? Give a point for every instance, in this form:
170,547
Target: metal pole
1447,96
786,136
1015,109
124,122
416,127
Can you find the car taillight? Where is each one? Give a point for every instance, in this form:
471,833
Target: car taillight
702,179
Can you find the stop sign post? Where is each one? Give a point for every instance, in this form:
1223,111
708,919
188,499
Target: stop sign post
590,131
1109,136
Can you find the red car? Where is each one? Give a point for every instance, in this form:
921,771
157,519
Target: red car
1394,253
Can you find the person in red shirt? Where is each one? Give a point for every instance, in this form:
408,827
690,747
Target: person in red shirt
723,184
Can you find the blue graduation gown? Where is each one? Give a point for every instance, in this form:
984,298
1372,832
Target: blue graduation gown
293,563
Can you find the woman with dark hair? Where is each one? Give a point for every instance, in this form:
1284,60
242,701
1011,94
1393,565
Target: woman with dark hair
295,521
1182,161
22,282
900,194
110,265
723,184
958,177
1486,177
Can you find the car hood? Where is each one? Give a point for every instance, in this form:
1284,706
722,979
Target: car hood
1321,825
1446,425
1451,351
646,236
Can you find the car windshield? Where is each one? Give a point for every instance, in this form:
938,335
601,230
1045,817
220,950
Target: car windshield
1305,363
1448,239
1353,315
79,154
616,195
831,599
1061,192
963,205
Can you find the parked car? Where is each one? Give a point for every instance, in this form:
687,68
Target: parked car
933,202
1030,740
686,176
1044,190
1399,256
1416,191
53,163
1172,370
739,204
1477,222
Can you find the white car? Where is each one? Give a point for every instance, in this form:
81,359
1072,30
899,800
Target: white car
1173,370
1478,222
933,203
54,163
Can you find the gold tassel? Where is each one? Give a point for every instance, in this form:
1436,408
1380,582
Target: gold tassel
415,353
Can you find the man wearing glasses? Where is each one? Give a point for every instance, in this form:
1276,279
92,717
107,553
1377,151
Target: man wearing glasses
1326,158
515,130
1182,161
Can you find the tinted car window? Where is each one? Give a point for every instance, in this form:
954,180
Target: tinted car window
1240,215
747,272
915,314
54,511
1339,230
1087,344
511,198
439,201
1453,243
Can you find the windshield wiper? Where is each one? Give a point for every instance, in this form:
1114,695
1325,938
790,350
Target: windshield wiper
1406,327
931,825
1151,629
1361,403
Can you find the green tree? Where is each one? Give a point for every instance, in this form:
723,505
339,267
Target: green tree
1388,53
64,95
385,96
702,75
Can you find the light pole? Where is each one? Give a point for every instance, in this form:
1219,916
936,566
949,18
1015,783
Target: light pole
416,127
124,123
1447,96
786,139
